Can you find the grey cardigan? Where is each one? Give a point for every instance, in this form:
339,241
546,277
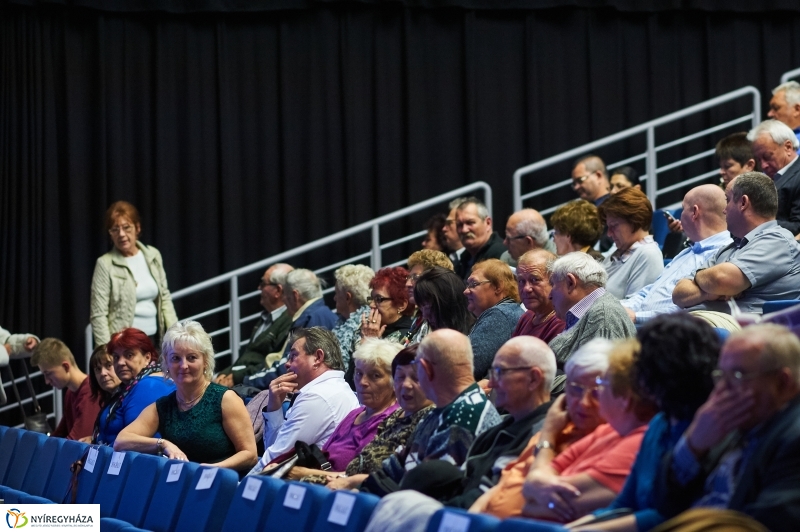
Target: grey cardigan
492,329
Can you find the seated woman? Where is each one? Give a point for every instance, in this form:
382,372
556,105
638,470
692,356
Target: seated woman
674,366
591,472
136,365
637,261
418,263
624,177
373,378
103,382
439,294
577,227
350,295
492,297
390,311
200,421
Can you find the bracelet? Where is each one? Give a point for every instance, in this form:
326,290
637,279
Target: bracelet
543,444
160,446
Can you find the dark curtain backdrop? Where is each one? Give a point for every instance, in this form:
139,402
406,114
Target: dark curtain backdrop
239,135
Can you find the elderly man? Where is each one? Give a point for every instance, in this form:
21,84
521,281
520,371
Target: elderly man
451,233
580,299
322,398
590,182
474,226
703,220
741,450
526,230
540,318
269,333
785,105
762,263
775,146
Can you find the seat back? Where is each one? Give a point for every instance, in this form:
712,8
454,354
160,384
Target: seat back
60,477
137,492
89,480
112,482
450,520
297,504
343,511
28,448
7,447
251,504
41,467
529,525
206,503
162,514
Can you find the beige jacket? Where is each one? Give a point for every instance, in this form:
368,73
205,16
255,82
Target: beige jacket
114,294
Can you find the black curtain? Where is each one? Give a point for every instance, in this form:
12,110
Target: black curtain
242,134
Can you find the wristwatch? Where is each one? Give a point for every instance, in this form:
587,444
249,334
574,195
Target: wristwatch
543,444
160,446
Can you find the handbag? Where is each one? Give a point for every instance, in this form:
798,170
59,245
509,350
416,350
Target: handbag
36,422
303,455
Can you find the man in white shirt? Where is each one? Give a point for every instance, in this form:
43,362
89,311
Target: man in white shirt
322,398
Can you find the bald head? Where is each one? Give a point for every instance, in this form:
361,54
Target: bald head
703,212
529,351
536,257
449,350
525,230
271,286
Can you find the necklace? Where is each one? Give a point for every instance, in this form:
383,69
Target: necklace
552,312
189,403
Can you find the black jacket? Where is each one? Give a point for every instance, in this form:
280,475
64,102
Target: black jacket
257,349
788,187
492,249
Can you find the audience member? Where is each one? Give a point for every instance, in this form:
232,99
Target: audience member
580,299
533,282
60,371
590,182
775,148
493,299
762,263
321,396
734,154
16,346
200,421
474,226
136,363
418,263
637,260
103,382
439,294
676,356
434,238
624,177
741,450
351,294
451,234
129,288
269,333
785,105
390,311
576,227
703,220
526,230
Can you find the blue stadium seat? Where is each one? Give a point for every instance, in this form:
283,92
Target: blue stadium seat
3,429
7,447
205,509
112,482
251,504
448,519
29,446
775,306
297,504
529,525
89,480
138,491
40,469
343,511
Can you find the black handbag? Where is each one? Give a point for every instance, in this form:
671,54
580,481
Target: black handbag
304,455
36,422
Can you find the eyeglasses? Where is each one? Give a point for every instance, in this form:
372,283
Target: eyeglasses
509,237
578,391
576,181
124,228
601,382
497,373
263,283
294,354
378,299
413,277
736,378
472,285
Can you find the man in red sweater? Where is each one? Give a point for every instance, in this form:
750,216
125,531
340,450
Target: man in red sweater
60,371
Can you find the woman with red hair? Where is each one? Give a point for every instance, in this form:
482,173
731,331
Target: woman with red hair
390,311
136,363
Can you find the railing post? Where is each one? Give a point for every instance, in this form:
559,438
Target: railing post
517,191
376,247
58,403
235,326
756,108
88,337
487,199
652,177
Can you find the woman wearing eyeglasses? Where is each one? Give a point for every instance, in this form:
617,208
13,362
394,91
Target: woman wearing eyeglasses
390,310
129,285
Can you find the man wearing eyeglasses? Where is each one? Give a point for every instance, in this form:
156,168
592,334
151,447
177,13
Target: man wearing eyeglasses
526,230
590,182
742,450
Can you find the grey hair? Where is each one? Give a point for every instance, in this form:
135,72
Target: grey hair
456,202
319,338
355,278
378,353
589,358
305,282
581,265
189,333
537,353
534,227
791,91
777,130
760,189
483,210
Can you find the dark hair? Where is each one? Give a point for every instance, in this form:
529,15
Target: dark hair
630,205
579,220
761,191
592,163
319,338
99,355
443,290
436,224
130,339
404,357
674,365
394,281
736,147
629,172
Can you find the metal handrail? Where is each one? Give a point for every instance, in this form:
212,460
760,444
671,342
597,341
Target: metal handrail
375,254
652,149
795,73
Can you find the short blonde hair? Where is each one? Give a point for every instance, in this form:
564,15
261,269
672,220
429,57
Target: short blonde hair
355,278
430,258
377,352
191,334
52,352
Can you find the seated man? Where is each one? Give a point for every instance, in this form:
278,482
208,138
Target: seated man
526,230
762,264
60,371
322,398
703,220
269,333
474,226
741,450
540,318
580,299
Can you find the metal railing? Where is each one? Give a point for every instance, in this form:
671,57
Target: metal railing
651,152
790,75
12,403
375,256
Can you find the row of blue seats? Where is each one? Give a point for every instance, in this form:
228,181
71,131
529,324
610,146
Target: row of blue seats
143,492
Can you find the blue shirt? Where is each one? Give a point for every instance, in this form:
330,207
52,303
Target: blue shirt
140,397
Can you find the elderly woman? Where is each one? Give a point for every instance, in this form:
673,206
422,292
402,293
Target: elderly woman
142,382
390,310
533,282
129,285
418,263
492,297
637,260
200,421
624,177
439,294
351,294
576,227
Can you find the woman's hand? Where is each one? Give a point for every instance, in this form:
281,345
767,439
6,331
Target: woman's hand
31,343
279,388
86,439
371,325
545,490
556,420
171,451
338,482
298,472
